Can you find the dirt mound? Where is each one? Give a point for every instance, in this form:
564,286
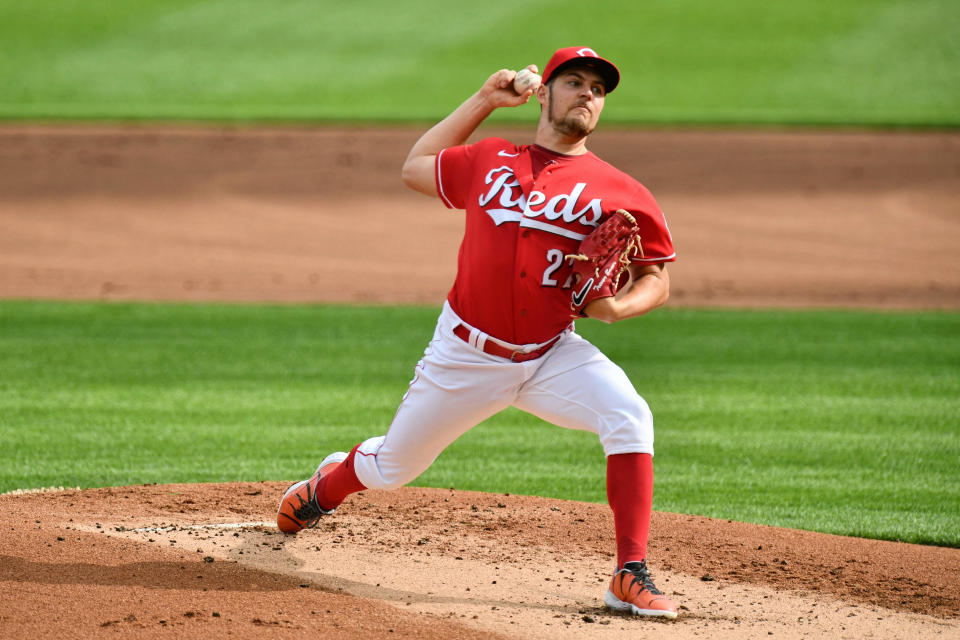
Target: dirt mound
431,563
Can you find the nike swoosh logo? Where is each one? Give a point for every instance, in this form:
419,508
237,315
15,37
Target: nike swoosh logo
504,154
579,296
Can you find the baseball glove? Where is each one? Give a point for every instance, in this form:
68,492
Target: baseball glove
602,258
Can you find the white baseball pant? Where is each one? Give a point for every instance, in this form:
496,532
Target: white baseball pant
456,386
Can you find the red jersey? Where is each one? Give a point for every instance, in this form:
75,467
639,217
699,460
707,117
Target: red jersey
526,208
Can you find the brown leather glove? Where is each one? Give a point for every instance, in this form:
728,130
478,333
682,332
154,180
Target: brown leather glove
602,258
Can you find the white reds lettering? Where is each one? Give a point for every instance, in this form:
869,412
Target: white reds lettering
515,205
504,184
550,211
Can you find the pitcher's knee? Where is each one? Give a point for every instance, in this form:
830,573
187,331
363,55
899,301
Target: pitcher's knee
629,430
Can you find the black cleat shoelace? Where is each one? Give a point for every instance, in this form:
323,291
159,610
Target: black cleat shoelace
641,574
308,514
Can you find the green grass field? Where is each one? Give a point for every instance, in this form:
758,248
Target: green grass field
845,422
872,62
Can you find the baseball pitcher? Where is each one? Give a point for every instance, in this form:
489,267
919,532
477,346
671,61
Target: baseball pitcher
553,233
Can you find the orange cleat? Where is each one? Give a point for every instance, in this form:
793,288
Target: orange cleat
298,507
631,590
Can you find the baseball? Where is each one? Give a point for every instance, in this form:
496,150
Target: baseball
526,80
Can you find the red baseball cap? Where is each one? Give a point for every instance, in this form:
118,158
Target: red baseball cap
583,56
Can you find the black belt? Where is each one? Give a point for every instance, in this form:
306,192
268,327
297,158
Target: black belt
494,349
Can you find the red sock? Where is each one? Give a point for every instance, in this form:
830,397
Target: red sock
630,494
334,487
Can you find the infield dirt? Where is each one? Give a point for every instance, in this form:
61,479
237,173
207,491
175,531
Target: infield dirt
773,219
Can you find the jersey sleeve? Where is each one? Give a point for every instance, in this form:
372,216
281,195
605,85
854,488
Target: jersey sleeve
456,168
655,239
453,173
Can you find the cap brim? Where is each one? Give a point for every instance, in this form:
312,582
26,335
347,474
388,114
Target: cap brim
606,69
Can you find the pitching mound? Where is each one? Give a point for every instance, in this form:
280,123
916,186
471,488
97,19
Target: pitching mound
207,561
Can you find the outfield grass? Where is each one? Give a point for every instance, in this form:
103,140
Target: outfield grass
844,422
875,62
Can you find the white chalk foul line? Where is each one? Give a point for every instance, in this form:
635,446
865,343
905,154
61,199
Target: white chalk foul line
201,527
23,492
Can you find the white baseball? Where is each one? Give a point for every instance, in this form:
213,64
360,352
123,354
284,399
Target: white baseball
526,80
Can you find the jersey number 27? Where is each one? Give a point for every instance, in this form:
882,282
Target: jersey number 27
554,262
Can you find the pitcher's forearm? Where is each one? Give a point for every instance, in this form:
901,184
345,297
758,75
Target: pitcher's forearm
455,129
649,290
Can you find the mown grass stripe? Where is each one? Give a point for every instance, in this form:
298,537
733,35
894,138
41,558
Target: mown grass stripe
836,421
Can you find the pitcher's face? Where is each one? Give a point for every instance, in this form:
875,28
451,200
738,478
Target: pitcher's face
574,100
